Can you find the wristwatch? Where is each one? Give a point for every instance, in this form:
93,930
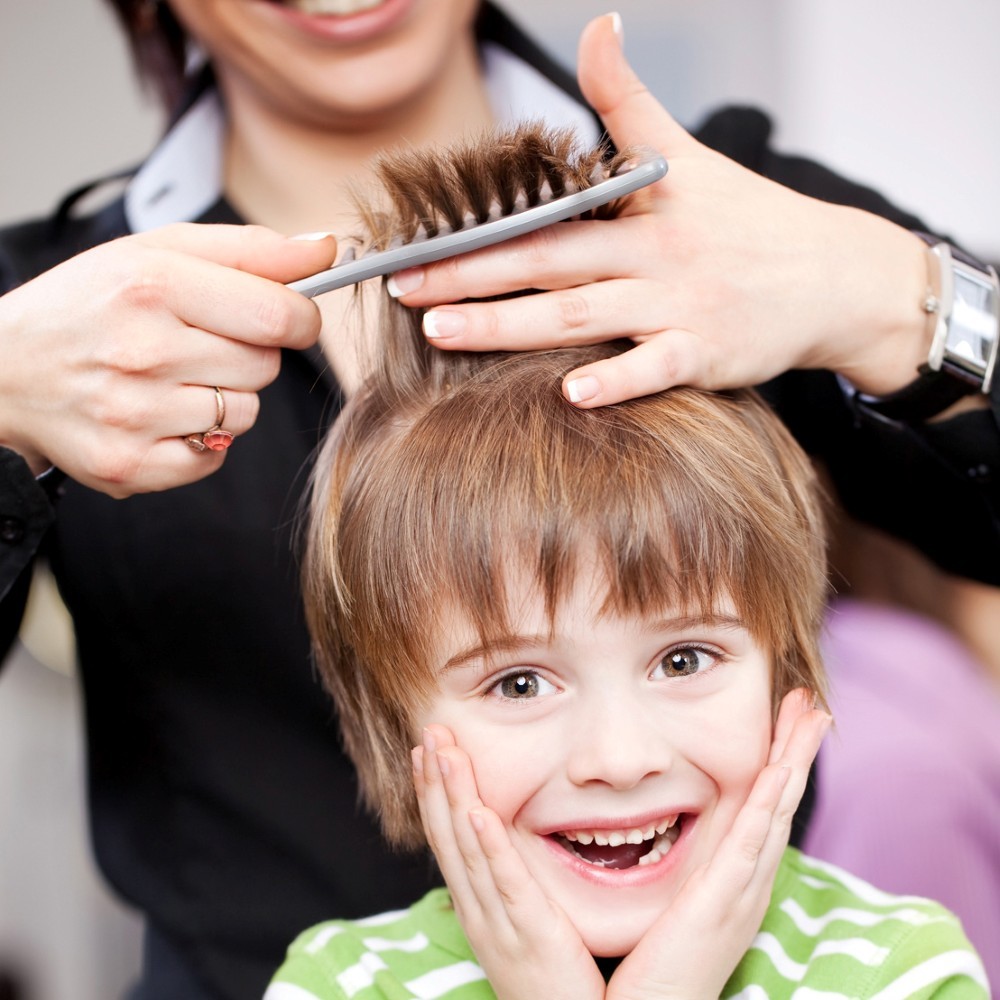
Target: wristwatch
964,301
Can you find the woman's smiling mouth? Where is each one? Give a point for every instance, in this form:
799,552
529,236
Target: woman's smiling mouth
624,847
332,7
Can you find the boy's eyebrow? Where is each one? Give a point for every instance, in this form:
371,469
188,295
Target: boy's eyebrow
709,620
502,644
512,643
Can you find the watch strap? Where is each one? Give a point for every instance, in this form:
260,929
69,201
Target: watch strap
929,394
962,359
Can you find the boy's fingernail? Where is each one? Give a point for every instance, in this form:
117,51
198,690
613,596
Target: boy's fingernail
430,744
442,323
311,237
404,282
581,389
617,28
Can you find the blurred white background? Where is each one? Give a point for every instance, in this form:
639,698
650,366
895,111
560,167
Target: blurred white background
897,93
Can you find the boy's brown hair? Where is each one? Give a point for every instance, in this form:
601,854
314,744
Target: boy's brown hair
450,474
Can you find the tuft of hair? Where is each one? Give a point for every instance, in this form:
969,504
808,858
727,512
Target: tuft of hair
424,192
449,476
433,191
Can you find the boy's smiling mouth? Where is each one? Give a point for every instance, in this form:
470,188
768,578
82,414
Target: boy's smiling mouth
625,847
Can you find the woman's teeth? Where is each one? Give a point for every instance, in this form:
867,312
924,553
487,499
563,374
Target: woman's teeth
622,848
333,6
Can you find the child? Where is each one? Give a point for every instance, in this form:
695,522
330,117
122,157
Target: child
598,630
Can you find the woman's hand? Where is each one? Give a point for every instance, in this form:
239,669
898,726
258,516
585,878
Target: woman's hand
109,360
525,944
693,948
721,277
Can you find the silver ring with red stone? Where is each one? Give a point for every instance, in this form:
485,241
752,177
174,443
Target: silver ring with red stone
215,438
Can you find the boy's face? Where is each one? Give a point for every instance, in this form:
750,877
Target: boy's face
649,729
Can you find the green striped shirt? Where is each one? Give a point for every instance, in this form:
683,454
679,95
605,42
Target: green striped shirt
826,936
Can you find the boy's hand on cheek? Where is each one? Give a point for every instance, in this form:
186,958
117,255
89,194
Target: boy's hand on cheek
692,950
526,945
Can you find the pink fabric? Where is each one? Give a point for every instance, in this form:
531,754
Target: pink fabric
909,778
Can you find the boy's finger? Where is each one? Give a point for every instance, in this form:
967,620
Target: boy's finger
801,749
436,815
793,706
735,864
750,854
517,894
498,877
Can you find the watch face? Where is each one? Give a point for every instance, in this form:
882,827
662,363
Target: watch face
972,326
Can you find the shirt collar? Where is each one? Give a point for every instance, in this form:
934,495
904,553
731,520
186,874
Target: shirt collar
182,179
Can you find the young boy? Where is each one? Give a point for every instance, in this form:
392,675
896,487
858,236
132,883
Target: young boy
574,652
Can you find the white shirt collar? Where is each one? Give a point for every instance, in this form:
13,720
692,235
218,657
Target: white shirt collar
182,178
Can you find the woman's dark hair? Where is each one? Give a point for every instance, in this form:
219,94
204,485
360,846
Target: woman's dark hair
158,44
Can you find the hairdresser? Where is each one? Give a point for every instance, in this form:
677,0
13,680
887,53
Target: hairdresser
167,363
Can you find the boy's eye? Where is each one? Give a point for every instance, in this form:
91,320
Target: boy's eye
686,660
522,684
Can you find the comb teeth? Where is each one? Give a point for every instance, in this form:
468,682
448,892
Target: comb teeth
434,192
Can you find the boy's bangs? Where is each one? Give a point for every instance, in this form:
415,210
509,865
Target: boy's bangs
674,496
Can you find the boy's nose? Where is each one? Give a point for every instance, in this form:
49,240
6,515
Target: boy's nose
613,745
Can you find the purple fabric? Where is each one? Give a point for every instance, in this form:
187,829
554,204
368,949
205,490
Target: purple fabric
909,778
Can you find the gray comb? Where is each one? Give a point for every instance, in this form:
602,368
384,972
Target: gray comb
631,177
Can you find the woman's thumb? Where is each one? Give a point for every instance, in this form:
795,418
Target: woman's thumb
629,111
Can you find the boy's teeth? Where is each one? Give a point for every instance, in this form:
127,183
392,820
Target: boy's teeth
615,838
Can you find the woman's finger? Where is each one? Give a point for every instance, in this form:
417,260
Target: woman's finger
220,299
666,359
629,111
253,249
587,314
558,256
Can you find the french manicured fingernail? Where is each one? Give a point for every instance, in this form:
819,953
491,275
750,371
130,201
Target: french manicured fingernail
617,28
443,765
430,744
581,389
404,282
311,237
784,773
442,323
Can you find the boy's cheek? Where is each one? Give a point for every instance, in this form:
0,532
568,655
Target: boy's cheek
734,757
507,774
